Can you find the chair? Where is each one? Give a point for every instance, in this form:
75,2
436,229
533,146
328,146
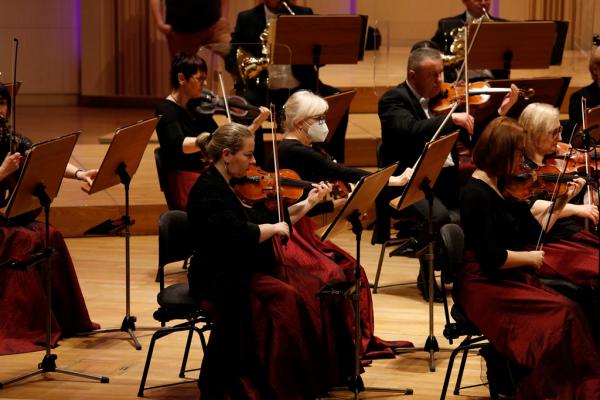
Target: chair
174,301
450,247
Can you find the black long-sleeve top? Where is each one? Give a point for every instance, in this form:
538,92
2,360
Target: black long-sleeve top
592,95
493,225
314,165
177,123
226,237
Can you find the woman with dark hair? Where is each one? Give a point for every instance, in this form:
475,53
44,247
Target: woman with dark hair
22,327
264,343
179,126
540,332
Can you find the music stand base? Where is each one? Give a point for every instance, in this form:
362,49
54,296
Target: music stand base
127,326
48,364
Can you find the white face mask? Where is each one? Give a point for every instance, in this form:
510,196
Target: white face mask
317,132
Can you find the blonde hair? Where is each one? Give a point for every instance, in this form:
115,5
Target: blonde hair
229,136
301,105
538,120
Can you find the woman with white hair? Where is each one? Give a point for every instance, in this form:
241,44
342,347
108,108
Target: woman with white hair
571,252
305,129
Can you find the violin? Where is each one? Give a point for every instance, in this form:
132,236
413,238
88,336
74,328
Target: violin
545,181
210,103
479,95
259,185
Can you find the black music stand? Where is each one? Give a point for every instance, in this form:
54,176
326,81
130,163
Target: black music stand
118,167
420,186
37,186
507,45
367,188
318,40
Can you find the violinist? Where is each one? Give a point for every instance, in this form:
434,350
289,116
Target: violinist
590,92
264,343
567,239
543,334
179,126
305,129
22,290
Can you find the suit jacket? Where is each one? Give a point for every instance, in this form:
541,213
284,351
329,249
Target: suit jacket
592,95
405,129
444,41
248,28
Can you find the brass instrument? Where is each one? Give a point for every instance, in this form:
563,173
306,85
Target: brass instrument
251,67
457,48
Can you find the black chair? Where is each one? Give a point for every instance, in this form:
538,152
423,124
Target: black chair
174,301
450,247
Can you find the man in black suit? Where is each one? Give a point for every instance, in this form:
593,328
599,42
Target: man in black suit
474,9
406,126
246,35
590,92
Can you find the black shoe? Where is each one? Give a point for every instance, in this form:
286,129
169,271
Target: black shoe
423,287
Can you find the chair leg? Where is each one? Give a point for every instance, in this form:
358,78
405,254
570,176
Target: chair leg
186,352
379,264
461,369
147,365
449,372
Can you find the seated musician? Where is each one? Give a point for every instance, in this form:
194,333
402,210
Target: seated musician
446,34
567,240
282,80
543,334
305,128
179,126
22,326
590,92
264,343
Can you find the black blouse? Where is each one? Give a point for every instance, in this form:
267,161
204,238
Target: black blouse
226,237
177,123
493,225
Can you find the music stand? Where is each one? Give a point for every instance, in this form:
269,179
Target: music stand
367,188
420,186
118,167
37,186
10,86
339,103
501,45
317,40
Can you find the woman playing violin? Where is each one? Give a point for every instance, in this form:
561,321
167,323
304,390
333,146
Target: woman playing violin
305,129
264,343
567,240
179,126
543,334
22,291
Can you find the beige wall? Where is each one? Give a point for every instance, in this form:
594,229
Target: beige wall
54,69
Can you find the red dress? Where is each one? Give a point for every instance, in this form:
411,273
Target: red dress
23,303
541,331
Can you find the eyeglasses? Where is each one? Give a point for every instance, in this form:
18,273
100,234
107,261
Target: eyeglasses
557,131
201,79
320,118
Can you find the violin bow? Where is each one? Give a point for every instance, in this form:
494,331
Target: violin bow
224,96
584,126
550,210
13,144
281,214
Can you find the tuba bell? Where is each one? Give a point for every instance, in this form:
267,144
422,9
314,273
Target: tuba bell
251,67
457,48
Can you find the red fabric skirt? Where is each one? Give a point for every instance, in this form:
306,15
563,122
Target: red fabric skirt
264,345
178,186
308,263
574,259
537,328
23,304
